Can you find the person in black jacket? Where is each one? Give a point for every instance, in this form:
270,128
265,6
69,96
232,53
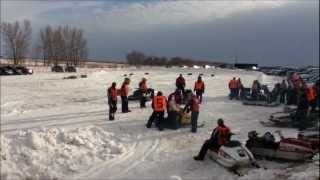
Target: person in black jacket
112,100
300,117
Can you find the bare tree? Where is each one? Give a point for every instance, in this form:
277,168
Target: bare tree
63,45
17,39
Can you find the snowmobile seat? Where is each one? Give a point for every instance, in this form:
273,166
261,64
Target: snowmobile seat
233,143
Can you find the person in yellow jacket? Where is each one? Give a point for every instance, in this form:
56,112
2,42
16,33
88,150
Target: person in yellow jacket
199,88
159,106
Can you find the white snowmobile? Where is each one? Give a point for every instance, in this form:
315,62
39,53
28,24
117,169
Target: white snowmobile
234,156
291,149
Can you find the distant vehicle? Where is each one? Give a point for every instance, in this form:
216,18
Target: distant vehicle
70,69
14,70
57,68
24,70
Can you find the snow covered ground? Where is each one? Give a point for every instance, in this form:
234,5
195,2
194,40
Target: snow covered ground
55,128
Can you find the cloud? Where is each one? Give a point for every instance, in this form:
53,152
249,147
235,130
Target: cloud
141,16
128,15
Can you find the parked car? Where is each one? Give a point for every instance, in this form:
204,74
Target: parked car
24,70
70,69
57,68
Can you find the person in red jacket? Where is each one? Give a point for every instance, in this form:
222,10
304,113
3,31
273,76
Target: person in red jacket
143,89
219,136
112,100
193,104
181,83
159,106
124,95
199,88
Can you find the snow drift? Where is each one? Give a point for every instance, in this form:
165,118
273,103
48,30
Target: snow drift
55,153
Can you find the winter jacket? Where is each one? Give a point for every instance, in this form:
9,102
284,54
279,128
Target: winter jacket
199,86
159,103
143,86
112,94
180,82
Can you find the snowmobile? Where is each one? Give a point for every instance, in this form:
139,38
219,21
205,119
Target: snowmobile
290,149
137,95
233,156
286,119
311,135
260,103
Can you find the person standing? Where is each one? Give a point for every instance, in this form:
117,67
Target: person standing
174,112
199,88
233,88
283,91
181,83
194,105
124,95
159,105
112,100
143,90
239,88
302,111
312,96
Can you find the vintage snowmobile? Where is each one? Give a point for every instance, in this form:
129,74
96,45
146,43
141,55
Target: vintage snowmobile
291,149
234,156
311,135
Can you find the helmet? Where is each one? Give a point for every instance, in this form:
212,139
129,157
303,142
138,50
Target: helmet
252,134
220,121
268,137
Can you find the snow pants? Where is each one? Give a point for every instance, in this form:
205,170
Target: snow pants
199,95
143,100
124,104
158,118
112,109
194,121
208,144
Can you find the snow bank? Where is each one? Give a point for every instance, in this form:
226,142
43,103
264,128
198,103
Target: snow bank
307,171
55,153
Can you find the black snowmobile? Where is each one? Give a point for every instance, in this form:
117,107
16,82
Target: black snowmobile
263,99
137,95
287,119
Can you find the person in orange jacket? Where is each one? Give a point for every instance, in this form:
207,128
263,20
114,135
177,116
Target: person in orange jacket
124,95
159,105
193,104
199,88
312,96
233,86
219,136
112,100
143,89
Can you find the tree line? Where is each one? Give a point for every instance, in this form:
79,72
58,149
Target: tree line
138,58
55,45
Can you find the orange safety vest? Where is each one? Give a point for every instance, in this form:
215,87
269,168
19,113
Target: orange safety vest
112,93
195,104
125,90
223,133
159,103
143,86
311,94
233,84
199,85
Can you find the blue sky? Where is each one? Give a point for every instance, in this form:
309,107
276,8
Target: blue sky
270,32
